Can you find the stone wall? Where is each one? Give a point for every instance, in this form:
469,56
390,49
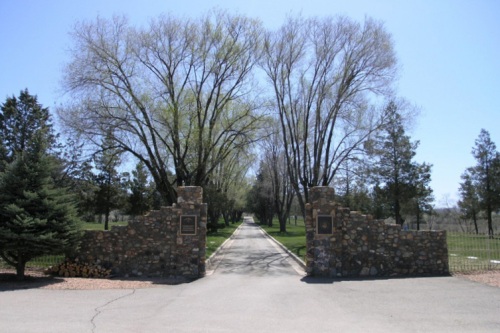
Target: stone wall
153,245
349,244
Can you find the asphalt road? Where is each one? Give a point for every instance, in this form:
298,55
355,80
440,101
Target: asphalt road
255,287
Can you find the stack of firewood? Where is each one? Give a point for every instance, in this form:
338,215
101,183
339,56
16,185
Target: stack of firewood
77,269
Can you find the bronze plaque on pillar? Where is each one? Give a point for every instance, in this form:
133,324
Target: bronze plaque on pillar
324,225
188,225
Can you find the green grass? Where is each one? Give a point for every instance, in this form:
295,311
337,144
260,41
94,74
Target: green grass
472,252
215,239
46,261
472,245
41,262
100,226
294,239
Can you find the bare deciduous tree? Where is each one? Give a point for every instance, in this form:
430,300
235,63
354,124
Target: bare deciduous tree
325,73
177,93
274,164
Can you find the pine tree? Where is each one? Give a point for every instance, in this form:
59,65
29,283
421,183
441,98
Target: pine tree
485,176
21,120
110,194
140,199
422,198
351,187
469,203
400,181
36,217
260,198
75,173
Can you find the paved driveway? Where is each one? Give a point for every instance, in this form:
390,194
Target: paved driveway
256,287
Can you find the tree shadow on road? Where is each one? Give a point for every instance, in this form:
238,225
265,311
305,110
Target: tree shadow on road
32,280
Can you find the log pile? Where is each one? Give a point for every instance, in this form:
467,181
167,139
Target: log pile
77,269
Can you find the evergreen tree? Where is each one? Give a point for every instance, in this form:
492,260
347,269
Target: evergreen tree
400,179
260,199
21,120
485,176
469,203
75,173
140,199
380,208
422,198
110,194
36,217
351,187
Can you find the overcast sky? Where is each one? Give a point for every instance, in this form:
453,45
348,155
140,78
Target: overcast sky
448,52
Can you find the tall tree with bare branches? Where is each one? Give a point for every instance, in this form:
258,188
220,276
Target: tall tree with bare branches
177,93
274,165
325,73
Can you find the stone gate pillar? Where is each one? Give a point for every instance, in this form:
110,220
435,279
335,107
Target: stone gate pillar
190,248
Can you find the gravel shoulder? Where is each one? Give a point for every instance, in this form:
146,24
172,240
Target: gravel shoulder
491,278
38,279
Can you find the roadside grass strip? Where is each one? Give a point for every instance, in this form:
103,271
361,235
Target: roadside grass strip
294,239
216,239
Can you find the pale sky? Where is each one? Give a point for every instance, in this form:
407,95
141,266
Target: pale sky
448,52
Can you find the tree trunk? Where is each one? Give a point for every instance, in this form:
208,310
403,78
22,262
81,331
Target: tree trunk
474,218
418,221
397,213
226,217
490,222
282,220
106,219
20,269
269,220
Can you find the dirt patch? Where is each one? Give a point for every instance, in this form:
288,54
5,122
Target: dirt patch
38,279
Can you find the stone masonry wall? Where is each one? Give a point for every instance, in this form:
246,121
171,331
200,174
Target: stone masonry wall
153,245
360,246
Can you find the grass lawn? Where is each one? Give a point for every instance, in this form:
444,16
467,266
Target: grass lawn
215,239
473,252
41,262
294,239
100,226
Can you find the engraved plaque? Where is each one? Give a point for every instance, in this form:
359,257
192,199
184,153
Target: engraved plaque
188,225
324,225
